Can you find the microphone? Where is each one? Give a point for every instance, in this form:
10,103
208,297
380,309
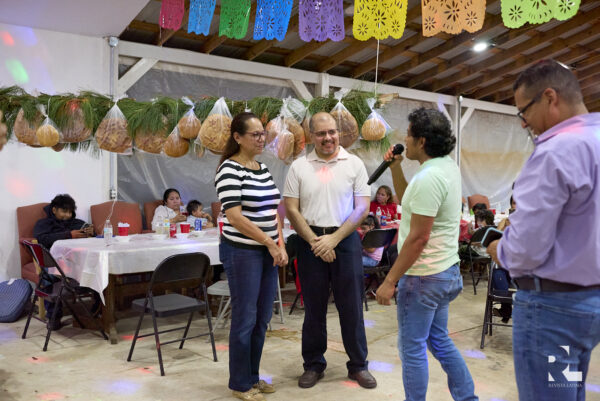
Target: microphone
398,149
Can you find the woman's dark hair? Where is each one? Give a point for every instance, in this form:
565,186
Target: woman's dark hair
388,191
479,206
192,206
167,193
485,215
372,221
238,124
435,128
65,202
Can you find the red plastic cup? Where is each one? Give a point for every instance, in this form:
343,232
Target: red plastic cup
493,211
173,230
123,231
185,227
220,227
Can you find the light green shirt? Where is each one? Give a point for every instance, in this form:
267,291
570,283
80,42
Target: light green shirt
434,191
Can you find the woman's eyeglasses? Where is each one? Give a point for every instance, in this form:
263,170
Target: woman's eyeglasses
257,135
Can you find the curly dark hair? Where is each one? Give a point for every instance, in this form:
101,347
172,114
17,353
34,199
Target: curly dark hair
485,215
65,202
432,125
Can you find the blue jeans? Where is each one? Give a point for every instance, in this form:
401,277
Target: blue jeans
253,284
423,323
544,324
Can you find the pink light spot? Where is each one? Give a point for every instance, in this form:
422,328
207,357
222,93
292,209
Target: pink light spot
325,175
51,396
146,370
18,185
222,347
351,384
7,38
37,359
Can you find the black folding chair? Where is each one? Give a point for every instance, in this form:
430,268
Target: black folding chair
378,238
477,255
291,248
56,289
494,297
186,266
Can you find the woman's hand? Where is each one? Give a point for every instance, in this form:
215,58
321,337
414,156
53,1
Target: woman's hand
178,218
280,257
89,231
78,234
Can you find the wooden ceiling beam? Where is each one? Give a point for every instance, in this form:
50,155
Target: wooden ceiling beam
515,51
431,73
345,54
556,46
491,21
396,50
302,52
264,44
593,106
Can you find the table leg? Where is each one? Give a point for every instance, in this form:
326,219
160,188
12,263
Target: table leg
108,310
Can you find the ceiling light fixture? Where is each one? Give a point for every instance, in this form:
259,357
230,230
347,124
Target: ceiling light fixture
480,46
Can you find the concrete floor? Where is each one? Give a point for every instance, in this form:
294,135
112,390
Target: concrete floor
79,365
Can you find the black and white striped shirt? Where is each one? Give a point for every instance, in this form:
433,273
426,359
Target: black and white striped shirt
255,192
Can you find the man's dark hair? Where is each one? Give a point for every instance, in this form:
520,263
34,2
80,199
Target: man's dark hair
65,202
485,215
549,74
435,128
192,206
479,206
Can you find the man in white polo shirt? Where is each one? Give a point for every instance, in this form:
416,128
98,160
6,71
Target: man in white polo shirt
326,198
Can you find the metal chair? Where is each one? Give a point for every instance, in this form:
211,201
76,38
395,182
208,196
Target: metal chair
378,238
494,296
186,266
56,289
477,254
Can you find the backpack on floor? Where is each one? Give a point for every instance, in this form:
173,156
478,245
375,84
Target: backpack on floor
14,297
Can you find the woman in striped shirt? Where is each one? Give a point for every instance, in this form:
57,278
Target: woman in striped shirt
251,249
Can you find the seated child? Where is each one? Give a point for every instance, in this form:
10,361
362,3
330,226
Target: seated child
370,256
484,218
195,210
60,223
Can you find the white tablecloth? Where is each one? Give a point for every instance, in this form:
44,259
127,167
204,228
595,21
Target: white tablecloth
90,261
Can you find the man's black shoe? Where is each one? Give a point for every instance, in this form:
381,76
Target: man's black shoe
309,378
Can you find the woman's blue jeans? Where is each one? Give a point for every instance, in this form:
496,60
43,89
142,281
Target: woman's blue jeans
553,337
253,284
423,323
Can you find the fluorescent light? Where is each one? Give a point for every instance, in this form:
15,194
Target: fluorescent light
480,46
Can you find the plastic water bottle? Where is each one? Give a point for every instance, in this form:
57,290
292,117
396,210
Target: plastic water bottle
378,214
108,232
166,226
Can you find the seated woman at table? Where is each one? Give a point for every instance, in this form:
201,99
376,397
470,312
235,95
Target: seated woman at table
196,211
60,222
170,209
251,249
384,201
370,256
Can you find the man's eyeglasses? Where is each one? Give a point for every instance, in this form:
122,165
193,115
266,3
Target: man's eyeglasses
257,135
321,134
535,99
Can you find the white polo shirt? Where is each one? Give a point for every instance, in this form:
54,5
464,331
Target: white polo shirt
326,189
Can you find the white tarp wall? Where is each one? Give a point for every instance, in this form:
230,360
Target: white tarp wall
494,148
49,62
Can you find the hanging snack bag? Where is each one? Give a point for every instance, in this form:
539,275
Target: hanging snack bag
375,127
189,125
151,142
111,134
294,112
75,130
345,121
198,149
216,128
24,130
306,127
47,133
3,132
175,145
281,142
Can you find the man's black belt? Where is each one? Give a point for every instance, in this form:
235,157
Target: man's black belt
323,230
546,285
